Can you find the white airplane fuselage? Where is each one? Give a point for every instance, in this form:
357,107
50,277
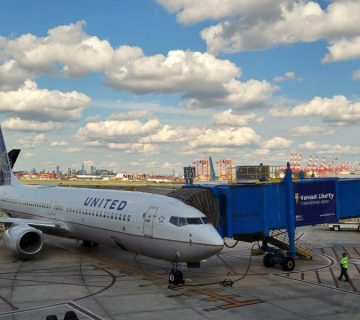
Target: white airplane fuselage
139,222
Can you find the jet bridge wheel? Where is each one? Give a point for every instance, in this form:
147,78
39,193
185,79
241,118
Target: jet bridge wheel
288,264
269,260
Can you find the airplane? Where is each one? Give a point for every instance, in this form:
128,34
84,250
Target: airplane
153,225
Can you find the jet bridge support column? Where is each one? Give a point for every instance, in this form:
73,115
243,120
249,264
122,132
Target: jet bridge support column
290,210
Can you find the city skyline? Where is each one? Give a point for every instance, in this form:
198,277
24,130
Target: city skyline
155,85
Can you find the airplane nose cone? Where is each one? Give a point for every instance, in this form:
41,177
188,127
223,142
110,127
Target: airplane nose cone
216,240
214,243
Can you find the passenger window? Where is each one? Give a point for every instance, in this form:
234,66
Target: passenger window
120,216
124,217
128,219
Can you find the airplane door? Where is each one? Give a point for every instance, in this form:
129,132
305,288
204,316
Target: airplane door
149,216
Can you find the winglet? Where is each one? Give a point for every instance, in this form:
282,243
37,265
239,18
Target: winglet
13,155
5,168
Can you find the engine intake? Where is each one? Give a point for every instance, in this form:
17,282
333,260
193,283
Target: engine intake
23,239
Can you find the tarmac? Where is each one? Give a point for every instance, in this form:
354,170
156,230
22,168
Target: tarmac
108,283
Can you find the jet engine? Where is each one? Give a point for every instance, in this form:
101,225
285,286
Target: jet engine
23,239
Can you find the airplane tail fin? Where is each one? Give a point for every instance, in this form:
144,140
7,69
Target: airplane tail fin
6,175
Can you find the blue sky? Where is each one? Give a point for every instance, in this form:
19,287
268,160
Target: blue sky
154,85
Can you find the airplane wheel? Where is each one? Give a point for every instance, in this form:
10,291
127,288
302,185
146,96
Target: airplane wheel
70,315
269,260
176,277
89,244
336,228
288,264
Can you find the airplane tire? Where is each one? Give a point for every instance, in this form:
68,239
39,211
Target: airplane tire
70,315
269,260
176,277
288,264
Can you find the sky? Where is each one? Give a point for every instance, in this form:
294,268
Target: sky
153,85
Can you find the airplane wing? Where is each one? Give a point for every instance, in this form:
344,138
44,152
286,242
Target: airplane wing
46,226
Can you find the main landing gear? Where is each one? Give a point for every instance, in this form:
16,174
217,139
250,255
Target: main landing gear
89,244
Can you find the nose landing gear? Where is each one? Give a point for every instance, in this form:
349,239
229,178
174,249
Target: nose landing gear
176,277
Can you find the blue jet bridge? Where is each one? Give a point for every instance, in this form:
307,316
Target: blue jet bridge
249,212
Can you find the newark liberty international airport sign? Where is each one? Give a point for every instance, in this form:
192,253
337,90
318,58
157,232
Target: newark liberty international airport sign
315,202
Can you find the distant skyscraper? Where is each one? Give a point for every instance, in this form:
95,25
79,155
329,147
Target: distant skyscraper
57,169
86,166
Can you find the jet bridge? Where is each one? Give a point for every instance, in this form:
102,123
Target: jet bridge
251,212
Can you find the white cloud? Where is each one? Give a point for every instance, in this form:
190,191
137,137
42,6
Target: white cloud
115,130
277,143
165,135
190,11
256,25
12,76
337,109
226,137
67,50
60,143
203,79
343,49
134,147
131,115
178,71
229,119
72,150
325,148
356,75
28,155
30,102
33,141
171,165
305,130
18,124
286,76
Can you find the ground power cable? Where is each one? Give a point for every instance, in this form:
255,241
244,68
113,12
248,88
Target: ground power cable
226,282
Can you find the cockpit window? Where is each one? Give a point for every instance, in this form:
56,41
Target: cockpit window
174,220
179,221
182,222
194,221
205,220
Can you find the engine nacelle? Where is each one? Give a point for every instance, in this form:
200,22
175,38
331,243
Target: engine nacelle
23,239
